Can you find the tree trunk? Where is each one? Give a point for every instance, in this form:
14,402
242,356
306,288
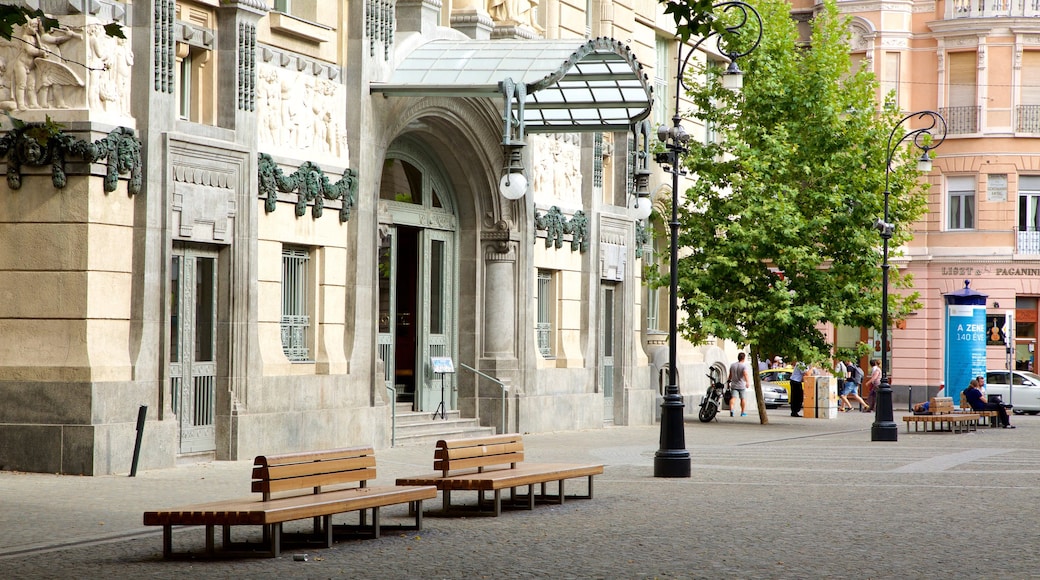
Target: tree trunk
760,401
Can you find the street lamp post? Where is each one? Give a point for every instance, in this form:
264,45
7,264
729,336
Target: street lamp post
673,459
884,427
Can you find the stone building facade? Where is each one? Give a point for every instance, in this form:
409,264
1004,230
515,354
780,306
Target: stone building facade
238,223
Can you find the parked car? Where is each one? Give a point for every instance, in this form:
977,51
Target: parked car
776,386
1022,391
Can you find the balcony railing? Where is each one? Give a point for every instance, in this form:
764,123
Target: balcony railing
1028,242
1028,119
992,8
961,120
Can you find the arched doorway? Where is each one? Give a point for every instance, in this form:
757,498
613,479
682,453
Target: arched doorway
418,278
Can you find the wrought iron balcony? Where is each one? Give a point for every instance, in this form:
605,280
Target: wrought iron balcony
1028,242
1027,119
960,120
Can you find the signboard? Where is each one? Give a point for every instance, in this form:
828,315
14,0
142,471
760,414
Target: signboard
442,365
966,335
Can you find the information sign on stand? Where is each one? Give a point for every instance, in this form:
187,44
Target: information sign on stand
442,365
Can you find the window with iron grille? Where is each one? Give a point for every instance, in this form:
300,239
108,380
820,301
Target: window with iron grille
653,293
1029,214
544,323
597,161
295,313
961,202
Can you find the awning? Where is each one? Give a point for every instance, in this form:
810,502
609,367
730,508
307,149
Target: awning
554,85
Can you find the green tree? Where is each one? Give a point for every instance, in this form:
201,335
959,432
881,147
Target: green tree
777,234
11,16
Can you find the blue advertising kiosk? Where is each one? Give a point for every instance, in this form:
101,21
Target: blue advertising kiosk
965,353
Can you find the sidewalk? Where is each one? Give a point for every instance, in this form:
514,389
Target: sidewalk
795,498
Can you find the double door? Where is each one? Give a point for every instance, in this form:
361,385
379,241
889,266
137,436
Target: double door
417,313
193,363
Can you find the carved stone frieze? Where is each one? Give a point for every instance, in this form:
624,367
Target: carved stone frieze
301,111
555,172
556,226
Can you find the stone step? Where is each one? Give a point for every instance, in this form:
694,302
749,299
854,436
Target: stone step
413,417
420,427
407,437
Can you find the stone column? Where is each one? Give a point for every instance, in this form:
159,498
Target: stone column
500,300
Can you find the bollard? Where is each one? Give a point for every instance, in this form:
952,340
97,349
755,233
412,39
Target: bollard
141,414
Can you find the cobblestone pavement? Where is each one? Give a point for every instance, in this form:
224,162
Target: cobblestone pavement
797,498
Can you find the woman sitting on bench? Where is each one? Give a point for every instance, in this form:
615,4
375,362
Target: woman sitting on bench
973,394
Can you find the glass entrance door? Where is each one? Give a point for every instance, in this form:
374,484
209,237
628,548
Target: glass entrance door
193,368
607,351
437,318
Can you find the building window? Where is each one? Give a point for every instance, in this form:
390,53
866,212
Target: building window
196,63
653,293
1028,112
1029,214
661,89
295,314
544,323
962,116
961,202
890,76
305,9
597,162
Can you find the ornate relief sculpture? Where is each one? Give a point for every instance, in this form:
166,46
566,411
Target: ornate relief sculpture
39,144
37,76
300,111
310,184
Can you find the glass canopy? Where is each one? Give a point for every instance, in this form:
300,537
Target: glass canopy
571,85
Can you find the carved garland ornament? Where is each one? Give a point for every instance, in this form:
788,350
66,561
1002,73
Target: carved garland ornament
310,184
39,144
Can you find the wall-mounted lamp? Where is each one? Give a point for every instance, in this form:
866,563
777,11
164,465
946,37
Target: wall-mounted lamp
642,205
996,305
513,184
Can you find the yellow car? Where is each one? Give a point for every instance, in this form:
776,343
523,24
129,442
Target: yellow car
776,386
780,376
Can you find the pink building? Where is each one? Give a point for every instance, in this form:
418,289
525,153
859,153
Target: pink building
978,65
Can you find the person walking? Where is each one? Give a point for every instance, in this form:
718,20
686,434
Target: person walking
873,383
739,379
852,386
798,370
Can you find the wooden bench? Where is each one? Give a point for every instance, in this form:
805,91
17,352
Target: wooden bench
986,416
335,481
956,422
495,463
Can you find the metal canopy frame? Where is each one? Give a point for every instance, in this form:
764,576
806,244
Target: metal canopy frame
548,86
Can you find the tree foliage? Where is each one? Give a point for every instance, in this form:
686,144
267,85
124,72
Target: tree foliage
777,232
11,16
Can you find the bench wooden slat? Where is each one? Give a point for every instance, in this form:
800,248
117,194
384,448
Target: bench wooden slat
468,451
251,512
312,481
520,476
461,466
305,474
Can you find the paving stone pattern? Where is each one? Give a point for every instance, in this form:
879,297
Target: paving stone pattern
797,498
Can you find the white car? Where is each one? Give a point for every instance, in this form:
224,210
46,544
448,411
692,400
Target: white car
1023,392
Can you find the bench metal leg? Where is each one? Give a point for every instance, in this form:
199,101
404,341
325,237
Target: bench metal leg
167,541
418,513
498,501
210,547
375,521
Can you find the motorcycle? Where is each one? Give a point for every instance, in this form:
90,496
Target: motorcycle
713,400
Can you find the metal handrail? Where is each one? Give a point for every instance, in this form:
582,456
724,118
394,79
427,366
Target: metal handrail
393,412
476,395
